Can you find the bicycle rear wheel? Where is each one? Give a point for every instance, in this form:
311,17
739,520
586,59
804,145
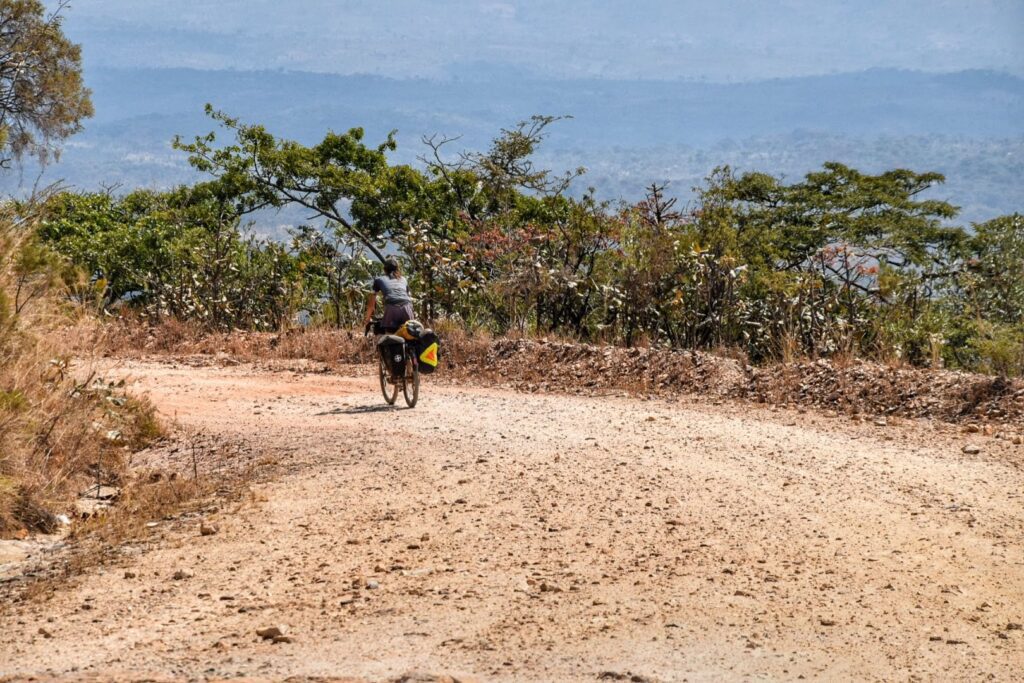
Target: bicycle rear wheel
383,373
411,385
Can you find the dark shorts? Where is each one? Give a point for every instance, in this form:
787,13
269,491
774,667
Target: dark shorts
395,315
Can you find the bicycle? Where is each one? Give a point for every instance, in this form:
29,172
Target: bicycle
401,370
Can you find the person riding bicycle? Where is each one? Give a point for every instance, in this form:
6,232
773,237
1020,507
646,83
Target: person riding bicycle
397,302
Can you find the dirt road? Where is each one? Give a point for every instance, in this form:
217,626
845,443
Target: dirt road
502,536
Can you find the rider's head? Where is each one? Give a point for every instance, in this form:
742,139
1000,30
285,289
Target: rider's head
390,266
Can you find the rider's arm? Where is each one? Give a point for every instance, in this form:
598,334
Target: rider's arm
371,306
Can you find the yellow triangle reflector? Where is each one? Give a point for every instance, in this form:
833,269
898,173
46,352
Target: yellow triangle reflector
429,356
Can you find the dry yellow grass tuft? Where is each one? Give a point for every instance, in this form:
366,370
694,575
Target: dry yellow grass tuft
60,430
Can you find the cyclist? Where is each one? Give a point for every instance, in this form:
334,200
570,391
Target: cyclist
397,302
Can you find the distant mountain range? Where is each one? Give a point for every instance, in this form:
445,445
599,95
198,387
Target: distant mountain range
968,125
738,40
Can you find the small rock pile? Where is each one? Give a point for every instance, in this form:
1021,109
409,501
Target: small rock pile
854,387
586,368
875,388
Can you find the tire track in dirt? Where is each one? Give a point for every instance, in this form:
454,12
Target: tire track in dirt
543,537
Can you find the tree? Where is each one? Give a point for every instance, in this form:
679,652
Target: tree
179,253
489,183
336,179
997,267
42,96
333,273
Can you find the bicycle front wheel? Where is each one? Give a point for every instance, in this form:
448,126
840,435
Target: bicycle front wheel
411,385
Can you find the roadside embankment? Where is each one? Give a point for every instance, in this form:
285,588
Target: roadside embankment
854,387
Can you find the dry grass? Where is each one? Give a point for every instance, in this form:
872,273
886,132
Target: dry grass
183,478
130,338
59,430
100,539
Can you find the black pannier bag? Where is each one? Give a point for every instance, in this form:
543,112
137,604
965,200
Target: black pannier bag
428,351
392,350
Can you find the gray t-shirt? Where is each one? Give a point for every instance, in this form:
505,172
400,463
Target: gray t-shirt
395,290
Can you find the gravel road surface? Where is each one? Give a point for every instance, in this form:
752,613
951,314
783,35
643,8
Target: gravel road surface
492,535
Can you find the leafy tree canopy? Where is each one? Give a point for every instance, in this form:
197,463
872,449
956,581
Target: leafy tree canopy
42,97
339,179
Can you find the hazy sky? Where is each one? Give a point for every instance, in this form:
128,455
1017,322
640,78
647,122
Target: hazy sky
719,40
